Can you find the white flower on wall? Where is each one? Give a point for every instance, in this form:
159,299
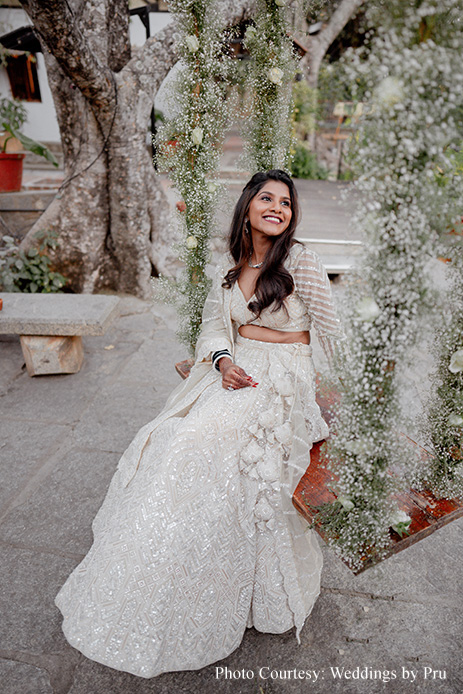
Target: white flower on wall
456,362
275,75
250,33
192,43
346,503
400,522
455,420
197,135
368,309
390,91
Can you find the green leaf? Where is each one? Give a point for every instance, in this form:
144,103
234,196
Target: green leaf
32,145
19,264
33,287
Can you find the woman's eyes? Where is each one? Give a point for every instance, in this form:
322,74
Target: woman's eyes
283,202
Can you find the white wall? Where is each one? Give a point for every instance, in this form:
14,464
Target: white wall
158,20
41,122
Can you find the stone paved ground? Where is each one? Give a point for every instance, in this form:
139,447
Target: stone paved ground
61,439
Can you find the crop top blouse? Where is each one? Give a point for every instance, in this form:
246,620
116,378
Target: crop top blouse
309,304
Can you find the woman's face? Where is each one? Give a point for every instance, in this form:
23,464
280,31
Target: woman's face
270,210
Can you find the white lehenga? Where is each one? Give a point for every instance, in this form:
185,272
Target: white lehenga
197,537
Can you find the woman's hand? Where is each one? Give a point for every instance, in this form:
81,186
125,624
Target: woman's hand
233,376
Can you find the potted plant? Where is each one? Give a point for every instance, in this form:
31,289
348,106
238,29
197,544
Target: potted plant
13,142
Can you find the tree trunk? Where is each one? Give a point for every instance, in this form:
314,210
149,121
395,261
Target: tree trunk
79,214
108,235
111,214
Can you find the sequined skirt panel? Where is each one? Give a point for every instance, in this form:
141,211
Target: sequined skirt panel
197,537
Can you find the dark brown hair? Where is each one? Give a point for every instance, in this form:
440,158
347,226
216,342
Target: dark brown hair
274,283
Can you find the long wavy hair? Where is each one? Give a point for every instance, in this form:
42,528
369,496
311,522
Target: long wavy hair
274,283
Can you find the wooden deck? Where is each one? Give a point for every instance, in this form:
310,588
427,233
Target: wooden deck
428,513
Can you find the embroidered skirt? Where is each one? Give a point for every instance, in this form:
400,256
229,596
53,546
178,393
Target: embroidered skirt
197,537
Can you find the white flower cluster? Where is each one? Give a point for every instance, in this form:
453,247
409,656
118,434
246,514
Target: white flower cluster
189,145
443,425
269,78
408,195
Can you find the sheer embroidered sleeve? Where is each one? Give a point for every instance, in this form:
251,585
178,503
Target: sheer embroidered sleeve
214,336
313,287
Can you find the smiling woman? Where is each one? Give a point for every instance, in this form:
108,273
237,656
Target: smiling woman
269,214
197,538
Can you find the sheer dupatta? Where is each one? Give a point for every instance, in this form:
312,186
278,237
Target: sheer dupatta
216,327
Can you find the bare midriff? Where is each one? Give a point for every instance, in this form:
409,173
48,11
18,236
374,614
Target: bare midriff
258,332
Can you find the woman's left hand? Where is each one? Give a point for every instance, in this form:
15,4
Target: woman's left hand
233,376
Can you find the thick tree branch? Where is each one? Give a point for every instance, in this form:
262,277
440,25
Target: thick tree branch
117,27
158,54
339,19
57,28
154,60
319,44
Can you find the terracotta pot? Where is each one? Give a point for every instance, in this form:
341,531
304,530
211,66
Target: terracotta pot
11,172
10,144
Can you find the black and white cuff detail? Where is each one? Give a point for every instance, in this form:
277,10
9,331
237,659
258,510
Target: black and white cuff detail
217,356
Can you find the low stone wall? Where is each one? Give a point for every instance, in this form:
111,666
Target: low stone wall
19,211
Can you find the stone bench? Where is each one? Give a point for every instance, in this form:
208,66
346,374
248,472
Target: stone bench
51,326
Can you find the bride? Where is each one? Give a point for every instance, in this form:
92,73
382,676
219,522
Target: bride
197,537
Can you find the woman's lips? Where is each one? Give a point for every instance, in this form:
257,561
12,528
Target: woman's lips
273,220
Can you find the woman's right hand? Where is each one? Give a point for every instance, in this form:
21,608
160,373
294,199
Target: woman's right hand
233,376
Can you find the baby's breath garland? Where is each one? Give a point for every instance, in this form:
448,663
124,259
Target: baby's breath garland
189,146
269,79
444,416
414,93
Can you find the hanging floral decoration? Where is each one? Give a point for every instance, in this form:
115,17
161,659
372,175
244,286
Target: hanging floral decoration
404,142
189,144
188,148
443,421
269,78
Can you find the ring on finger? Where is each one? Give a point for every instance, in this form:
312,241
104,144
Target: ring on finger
230,388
